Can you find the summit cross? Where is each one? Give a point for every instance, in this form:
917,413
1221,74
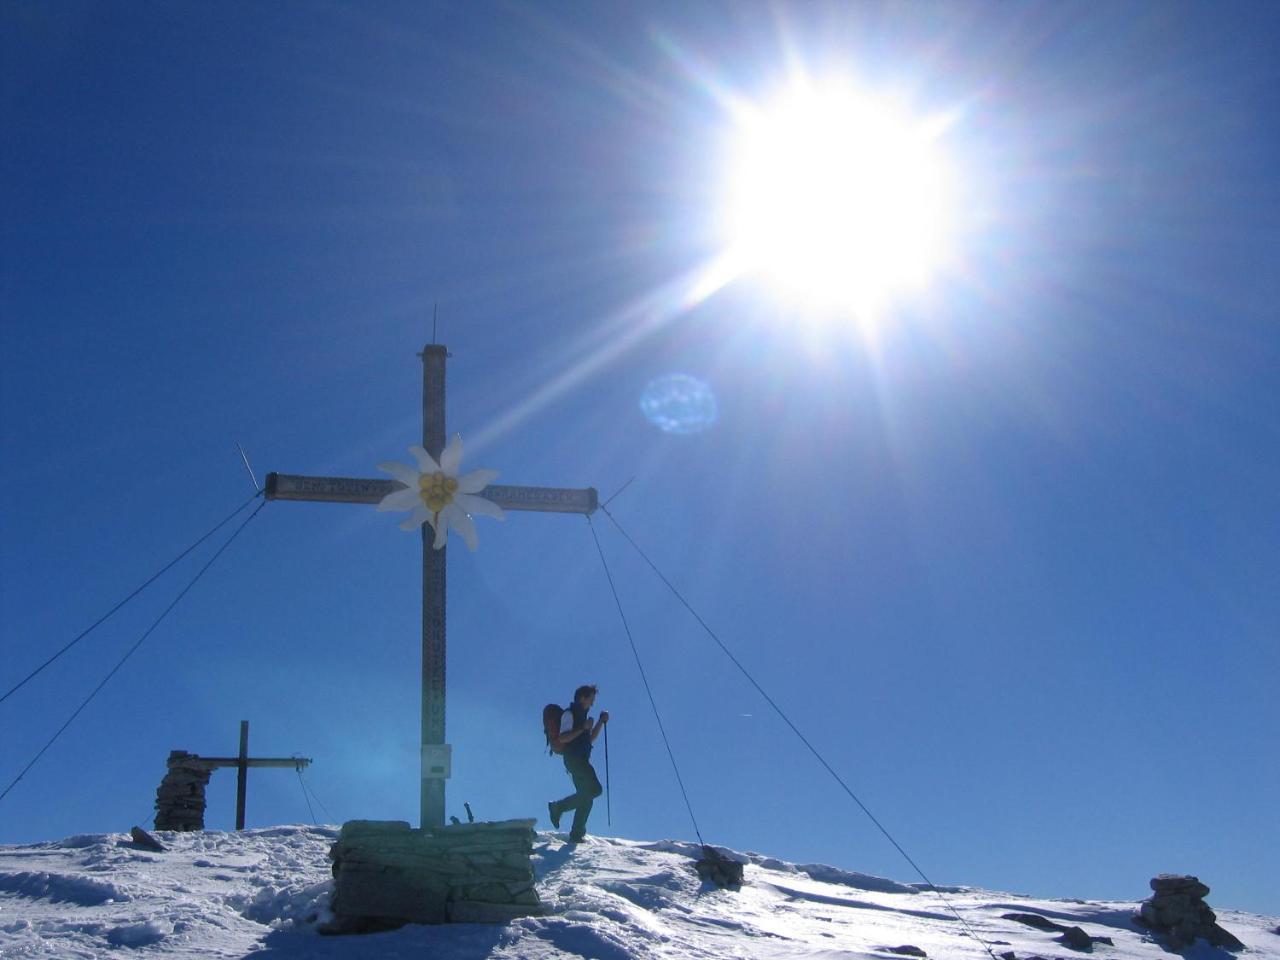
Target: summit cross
436,753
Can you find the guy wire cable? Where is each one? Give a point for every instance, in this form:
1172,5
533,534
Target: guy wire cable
298,770
794,729
311,792
653,703
132,649
102,619
315,796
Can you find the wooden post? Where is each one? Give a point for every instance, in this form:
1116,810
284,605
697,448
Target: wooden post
434,767
242,773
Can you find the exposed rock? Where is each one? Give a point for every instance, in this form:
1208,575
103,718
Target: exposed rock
146,840
1073,937
1177,914
1076,939
1173,883
1033,920
723,871
906,950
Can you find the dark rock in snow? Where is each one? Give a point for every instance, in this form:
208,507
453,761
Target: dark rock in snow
1033,920
906,950
1177,914
146,840
1076,939
724,872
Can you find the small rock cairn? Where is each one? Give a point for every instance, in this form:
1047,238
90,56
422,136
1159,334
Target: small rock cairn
180,799
387,874
1177,912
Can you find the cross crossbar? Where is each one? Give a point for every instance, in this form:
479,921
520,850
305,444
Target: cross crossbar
298,762
287,486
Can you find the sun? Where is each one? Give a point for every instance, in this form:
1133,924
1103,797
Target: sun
839,199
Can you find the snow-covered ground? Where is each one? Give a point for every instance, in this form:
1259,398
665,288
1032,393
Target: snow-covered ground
264,892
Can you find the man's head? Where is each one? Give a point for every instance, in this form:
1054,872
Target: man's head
585,695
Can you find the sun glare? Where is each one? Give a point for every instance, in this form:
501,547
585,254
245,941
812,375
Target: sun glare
836,198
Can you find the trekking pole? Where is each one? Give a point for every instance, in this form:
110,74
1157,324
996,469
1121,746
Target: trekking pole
608,807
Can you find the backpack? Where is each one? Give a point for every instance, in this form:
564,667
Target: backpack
551,716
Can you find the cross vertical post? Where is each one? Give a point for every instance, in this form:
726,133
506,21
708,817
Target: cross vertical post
434,770
242,773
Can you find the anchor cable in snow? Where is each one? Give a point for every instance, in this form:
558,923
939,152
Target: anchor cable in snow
154,577
112,672
653,703
794,729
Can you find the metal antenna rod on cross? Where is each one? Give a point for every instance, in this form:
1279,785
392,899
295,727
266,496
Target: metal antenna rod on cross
435,752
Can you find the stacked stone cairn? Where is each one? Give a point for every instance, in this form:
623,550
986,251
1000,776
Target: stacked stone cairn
180,799
1178,914
387,874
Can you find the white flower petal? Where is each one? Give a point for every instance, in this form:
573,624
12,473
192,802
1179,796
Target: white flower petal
451,459
442,530
400,500
459,520
406,475
426,462
419,516
476,480
479,506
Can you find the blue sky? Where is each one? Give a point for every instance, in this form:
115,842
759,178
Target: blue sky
1010,563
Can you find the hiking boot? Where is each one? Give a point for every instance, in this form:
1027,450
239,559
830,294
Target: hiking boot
577,837
553,809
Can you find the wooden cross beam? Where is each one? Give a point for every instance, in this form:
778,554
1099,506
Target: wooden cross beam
288,486
242,764
182,765
436,757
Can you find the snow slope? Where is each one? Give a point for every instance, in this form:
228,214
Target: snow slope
264,892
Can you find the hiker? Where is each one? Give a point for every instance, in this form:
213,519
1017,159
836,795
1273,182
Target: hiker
577,733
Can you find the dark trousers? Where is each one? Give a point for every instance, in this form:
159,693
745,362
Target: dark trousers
586,787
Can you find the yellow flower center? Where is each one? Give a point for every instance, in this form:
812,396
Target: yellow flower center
437,490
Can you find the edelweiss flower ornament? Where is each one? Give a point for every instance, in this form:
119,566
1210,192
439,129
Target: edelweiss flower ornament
438,496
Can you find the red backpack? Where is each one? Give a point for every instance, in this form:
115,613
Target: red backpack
551,716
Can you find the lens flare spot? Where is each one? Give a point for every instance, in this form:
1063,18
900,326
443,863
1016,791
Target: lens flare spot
678,403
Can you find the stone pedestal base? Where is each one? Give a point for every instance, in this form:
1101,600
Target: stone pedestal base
387,874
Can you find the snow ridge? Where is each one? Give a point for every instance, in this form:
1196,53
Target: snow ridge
229,894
